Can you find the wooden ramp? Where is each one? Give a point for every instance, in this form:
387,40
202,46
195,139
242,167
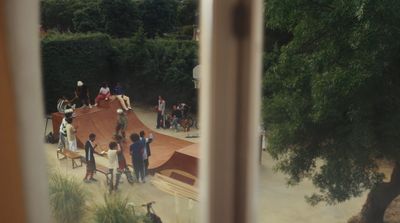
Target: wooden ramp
175,187
102,121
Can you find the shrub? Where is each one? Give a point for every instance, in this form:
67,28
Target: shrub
67,199
146,68
116,210
67,58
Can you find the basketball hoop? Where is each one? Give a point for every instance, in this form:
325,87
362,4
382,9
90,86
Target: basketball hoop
196,76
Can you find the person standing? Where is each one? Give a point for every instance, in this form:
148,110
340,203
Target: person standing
160,112
136,150
146,152
122,123
89,157
113,165
71,135
82,93
122,165
62,140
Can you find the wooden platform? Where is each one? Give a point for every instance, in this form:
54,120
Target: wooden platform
102,121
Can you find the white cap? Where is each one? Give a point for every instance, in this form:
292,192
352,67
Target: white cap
120,111
80,83
68,111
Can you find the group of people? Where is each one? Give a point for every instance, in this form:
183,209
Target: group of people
82,96
139,148
172,120
117,165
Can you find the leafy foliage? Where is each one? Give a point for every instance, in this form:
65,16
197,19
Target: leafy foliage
120,18
146,68
67,199
117,210
89,18
67,58
158,16
331,94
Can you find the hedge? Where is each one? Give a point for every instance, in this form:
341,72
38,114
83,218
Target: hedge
68,58
146,68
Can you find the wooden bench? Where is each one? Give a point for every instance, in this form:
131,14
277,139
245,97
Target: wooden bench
104,170
72,155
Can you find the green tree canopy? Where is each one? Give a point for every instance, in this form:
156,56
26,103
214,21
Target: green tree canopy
56,14
332,96
158,16
121,17
187,12
89,19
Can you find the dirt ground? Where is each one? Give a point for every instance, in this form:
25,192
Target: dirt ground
278,203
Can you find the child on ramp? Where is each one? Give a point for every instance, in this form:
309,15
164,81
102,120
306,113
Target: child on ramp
122,123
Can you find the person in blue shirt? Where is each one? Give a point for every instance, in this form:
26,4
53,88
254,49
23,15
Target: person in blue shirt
122,98
136,151
146,152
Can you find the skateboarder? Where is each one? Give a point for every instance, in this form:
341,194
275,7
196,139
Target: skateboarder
122,123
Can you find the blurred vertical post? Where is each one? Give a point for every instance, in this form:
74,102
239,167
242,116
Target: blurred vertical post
230,97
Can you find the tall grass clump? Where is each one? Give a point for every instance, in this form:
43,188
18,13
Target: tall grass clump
67,199
116,210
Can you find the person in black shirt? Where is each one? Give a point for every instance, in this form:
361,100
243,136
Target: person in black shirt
82,93
89,156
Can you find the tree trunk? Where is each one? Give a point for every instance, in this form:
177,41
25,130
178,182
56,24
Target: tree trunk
380,197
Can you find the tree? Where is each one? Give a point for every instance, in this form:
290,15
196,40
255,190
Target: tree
332,98
121,17
158,16
58,14
89,19
187,12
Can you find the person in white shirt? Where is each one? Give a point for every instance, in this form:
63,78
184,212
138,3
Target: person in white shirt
62,140
114,148
71,135
104,93
160,112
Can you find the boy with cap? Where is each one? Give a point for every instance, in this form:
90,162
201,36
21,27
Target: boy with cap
122,123
82,93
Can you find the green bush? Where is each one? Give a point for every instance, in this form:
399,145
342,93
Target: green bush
116,210
67,199
146,68
67,58
158,67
